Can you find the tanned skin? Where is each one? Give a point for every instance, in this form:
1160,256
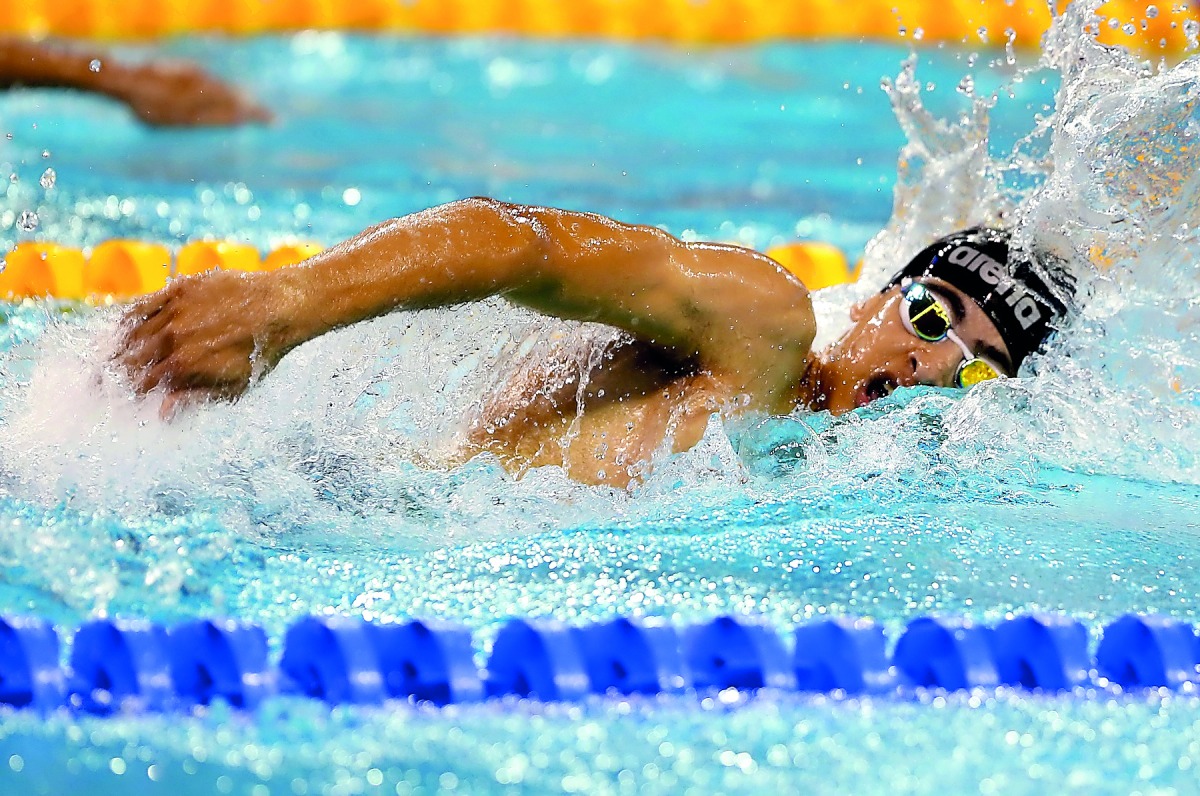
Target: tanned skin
161,94
715,328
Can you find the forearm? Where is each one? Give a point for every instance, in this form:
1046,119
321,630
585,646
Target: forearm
40,64
446,255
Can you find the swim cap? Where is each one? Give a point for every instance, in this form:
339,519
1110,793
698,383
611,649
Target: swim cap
1011,290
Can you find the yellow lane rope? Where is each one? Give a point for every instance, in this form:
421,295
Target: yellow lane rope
120,270
1149,24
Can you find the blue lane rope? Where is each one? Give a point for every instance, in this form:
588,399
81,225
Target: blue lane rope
128,665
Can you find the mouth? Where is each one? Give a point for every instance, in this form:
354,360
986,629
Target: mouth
881,385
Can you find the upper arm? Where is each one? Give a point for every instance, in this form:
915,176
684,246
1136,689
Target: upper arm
748,321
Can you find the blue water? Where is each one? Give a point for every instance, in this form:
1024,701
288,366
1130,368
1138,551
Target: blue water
1071,489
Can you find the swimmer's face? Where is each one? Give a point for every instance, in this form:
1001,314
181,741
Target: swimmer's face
878,354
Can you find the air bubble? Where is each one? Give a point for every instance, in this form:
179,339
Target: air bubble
94,65
27,221
966,85
1151,12
45,154
48,179
1128,29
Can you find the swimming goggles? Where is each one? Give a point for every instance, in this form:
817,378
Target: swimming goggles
926,317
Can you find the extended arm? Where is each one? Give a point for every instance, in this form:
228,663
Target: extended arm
157,93
744,318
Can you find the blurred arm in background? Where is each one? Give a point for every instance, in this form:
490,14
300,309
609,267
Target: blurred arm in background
158,93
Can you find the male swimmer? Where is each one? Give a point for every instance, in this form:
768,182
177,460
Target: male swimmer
715,328
158,93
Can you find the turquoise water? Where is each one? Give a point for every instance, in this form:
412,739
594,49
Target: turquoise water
1075,488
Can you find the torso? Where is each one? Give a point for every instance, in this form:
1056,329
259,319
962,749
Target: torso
635,403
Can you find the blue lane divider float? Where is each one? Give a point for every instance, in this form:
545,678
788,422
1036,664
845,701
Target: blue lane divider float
1141,651
429,661
127,665
842,654
120,665
30,675
1046,651
220,659
634,656
946,652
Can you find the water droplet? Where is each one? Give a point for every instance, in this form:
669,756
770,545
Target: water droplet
983,35
919,34
94,65
1151,12
966,85
27,221
8,136
48,179
1128,29
1191,29
45,154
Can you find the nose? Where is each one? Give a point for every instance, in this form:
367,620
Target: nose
934,364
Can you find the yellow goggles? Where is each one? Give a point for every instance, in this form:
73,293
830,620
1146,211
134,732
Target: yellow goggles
925,317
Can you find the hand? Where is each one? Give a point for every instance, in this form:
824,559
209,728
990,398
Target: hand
167,94
205,337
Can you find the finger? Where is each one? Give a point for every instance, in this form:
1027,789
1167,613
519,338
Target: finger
151,376
146,352
184,398
143,310
178,401
174,375
144,331
251,111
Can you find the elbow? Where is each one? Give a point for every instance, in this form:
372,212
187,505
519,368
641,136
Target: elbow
519,231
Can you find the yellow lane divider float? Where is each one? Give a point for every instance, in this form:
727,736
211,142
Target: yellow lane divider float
119,270
1149,23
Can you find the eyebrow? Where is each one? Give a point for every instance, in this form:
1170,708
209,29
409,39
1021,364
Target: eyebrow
959,310
997,356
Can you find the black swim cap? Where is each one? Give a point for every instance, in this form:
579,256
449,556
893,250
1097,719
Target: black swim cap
1015,294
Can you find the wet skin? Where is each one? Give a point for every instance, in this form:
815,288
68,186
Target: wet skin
713,328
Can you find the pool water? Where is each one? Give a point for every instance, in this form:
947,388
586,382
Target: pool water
1075,488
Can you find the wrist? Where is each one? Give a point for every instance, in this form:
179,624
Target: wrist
294,309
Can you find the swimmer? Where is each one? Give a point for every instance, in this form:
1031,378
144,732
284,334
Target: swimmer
158,93
714,328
